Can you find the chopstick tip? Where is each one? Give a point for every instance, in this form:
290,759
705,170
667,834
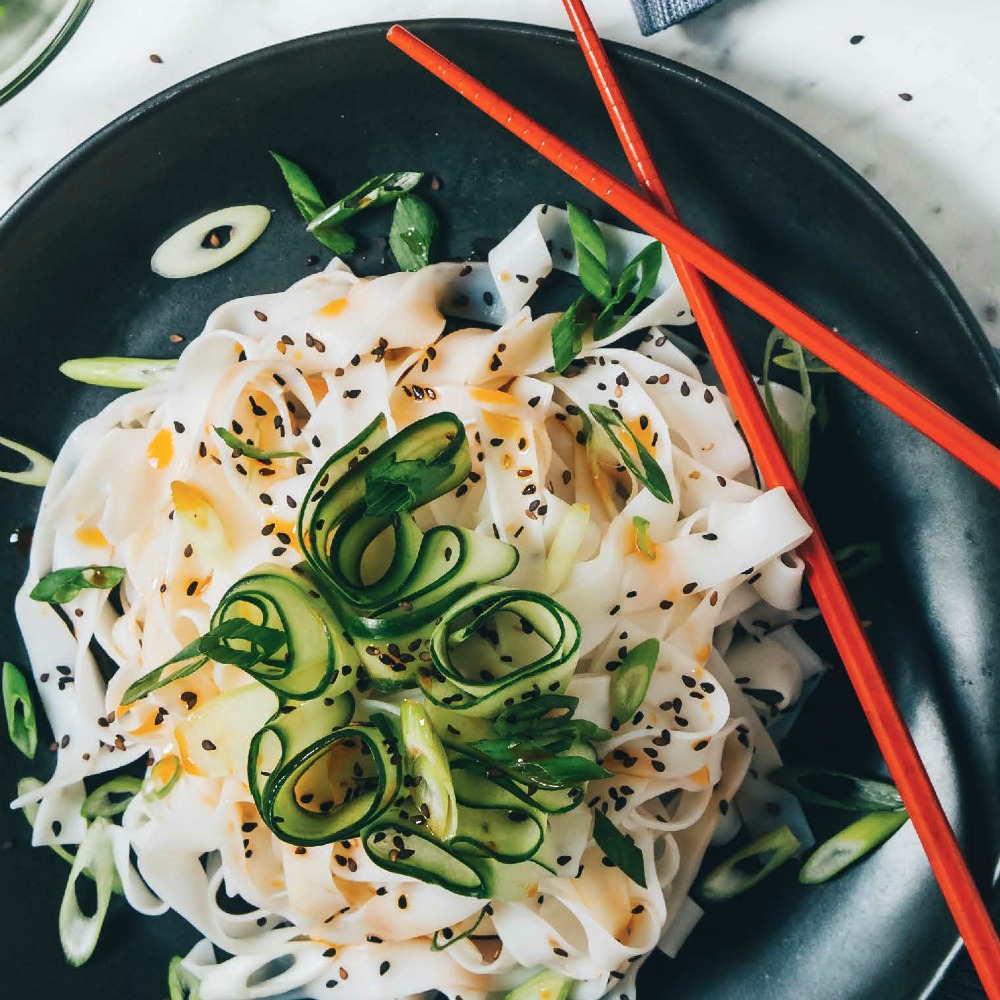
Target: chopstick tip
395,33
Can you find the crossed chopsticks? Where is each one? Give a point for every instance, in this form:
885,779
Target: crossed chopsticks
693,261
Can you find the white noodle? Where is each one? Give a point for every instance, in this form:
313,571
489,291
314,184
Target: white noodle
306,370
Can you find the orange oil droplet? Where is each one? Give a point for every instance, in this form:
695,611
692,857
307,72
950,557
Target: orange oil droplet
334,308
161,449
318,385
493,397
91,536
188,499
644,435
500,424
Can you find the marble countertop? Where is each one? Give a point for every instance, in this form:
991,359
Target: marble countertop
907,93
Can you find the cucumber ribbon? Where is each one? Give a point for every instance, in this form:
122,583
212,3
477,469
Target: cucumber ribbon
380,601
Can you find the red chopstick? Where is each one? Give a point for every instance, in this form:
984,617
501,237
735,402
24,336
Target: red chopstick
820,564
916,409
884,717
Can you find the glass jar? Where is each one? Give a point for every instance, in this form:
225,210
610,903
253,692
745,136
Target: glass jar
31,34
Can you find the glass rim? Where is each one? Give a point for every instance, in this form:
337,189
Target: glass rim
51,45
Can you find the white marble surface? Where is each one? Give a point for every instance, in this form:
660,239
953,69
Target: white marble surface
936,156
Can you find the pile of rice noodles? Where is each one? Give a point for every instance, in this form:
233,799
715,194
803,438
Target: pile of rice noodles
149,486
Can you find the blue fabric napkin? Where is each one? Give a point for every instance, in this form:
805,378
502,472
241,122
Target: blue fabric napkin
655,15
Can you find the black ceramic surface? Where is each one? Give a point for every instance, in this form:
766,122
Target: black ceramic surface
75,280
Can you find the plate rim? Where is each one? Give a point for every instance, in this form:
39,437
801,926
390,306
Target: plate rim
986,355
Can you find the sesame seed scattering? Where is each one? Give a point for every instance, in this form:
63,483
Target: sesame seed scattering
199,481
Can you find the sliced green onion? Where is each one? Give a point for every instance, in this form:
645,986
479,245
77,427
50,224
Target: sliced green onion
591,254
644,267
638,276
78,933
531,763
30,810
162,777
119,373
648,471
565,546
646,264
303,191
427,765
38,470
568,330
394,484
838,790
748,866
191,251
850,844
795,440
545,985
534,717
794,360
414,226
642,540
182,984
112,798
619,848
378,190
857,559
309,203
62,585
20,711
234,640
237,444
630,682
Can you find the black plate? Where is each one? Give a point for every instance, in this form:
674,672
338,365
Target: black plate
74,264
